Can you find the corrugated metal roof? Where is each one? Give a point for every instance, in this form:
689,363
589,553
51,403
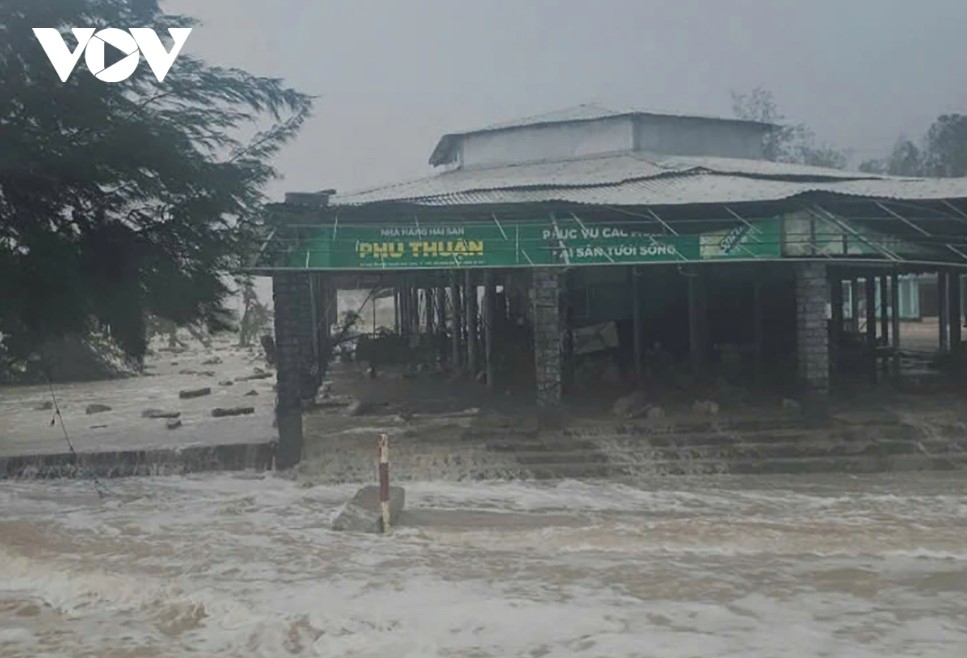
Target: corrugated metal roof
604,187
637,178
586,112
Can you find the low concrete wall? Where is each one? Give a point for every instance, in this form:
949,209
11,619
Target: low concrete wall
128,463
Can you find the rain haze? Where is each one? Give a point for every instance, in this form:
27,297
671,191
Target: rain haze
391,77
640,382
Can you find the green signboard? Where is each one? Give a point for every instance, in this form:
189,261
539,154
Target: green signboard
556,242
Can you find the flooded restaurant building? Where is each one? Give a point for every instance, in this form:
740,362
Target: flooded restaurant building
653,239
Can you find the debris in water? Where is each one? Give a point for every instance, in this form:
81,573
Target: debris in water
159,413
194,393
97,409
234,411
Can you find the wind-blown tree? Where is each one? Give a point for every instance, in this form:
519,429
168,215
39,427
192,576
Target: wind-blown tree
946,146
943,152
906,159
788,142
126,200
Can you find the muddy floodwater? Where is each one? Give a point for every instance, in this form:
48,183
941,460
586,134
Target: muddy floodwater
246,566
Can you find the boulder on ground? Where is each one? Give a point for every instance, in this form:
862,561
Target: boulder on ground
234,411
791,405
214,361
257,375
187,371
226,382
160,413
651,412
364,513
194,393
97,409
173,423
356,408
251,394
626,406
706,407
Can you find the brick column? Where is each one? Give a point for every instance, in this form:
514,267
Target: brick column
289,292
812,334
547,341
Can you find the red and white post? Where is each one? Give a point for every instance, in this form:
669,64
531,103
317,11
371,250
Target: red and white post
384,480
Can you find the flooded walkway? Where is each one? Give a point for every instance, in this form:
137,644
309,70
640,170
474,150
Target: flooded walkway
246,566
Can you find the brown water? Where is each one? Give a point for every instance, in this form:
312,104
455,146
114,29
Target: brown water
246,566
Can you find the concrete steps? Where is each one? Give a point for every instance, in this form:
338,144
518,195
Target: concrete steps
735,448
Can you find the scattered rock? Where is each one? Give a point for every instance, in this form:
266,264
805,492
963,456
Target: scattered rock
706,407
173,423
651,412
174,363
214,361
258,375
98,427
44,406
234,411
226,382
251,394
187,371
194,393
207,373
364,514
159,413
625,406
791,405
356,408
97,409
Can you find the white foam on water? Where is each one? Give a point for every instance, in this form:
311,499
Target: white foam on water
247,566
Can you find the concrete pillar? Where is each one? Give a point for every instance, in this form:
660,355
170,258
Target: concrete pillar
324,301
954,312
457,324
943,306
428,305
304,309
885,309
489,315
636,324
758,325
854,305
697,319
441,320
836,307
470,305
291,302
895,316
871,323
812,339
415,313
547,342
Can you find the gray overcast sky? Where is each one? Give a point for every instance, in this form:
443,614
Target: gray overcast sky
393,75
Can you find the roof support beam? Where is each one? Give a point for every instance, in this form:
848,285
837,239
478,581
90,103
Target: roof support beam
661,221
903,219
824,215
